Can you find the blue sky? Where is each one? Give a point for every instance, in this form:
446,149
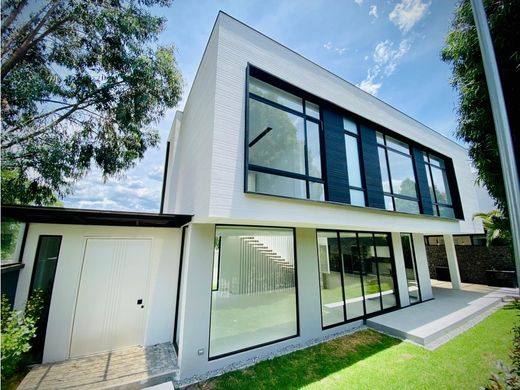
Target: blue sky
389,48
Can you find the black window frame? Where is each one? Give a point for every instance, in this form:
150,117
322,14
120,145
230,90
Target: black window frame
365,316
435,203
357,137
296,288
17,262
252,71
414,259
391,194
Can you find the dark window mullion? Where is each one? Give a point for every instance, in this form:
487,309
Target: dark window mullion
377,270
361,270
278,172
342,277
306,152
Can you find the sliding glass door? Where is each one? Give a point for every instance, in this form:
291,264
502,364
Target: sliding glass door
356,275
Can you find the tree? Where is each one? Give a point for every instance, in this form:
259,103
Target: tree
496,226
83,83
474,110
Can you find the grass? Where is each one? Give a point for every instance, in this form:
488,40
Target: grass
370,360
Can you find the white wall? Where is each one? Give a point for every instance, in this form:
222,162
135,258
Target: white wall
164,266
189,170
195,320
234,45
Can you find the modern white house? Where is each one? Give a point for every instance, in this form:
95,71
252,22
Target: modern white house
295,206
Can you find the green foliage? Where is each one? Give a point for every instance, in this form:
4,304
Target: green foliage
508,378
83,84
17,331
496,226
474,110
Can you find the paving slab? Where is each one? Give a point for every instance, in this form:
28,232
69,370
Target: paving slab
430,322
132,367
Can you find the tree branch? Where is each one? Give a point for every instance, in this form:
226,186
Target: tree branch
29,41
13,15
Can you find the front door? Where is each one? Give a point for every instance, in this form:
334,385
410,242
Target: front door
112,299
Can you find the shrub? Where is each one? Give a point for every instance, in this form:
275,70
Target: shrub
508,378
18,328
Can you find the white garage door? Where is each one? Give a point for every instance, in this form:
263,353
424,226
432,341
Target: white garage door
111,304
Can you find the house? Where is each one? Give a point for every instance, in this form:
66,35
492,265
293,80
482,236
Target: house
295,207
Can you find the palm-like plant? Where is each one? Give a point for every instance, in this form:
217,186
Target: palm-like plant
496,226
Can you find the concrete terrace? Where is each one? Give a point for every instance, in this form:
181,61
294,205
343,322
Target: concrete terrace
132,368
451,312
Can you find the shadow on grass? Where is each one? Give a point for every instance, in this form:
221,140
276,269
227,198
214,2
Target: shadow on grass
303,367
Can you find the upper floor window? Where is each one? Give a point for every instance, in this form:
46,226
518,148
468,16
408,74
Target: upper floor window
355,182
438,186
397,174
283,143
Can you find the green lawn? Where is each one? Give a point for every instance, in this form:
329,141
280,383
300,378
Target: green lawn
370,360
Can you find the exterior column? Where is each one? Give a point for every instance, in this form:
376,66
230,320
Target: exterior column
195,306
308,283
423,273
400,270
452,262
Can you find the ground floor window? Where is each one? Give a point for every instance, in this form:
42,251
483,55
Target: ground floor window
356,275
410,265
253,298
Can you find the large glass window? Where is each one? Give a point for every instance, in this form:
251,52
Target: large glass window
355,181
253,299
398,175
410,265
356,275
284,144
438,185
12,240
44,270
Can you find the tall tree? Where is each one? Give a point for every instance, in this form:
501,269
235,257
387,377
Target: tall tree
462,51
83,83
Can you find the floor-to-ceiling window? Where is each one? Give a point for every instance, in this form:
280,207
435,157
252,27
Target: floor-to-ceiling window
283,147
356,275
410,265
253,298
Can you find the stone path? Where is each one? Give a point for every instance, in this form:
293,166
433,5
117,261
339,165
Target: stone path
131,367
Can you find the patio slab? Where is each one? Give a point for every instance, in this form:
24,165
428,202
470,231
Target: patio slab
432,323
128,368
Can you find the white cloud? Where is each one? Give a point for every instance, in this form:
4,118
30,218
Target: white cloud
407,13
373,11
385,59
385,54
359,2
370,86
330,46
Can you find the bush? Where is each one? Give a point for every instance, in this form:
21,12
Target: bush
508,378
18,328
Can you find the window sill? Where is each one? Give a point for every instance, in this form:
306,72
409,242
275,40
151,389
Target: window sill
10,267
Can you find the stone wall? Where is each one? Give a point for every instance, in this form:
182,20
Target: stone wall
473,261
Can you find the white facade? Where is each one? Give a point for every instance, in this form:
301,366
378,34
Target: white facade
209,150
159,282
206,179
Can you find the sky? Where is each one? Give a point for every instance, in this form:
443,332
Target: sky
390,49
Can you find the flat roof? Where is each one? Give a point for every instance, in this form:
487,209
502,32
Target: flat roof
69,216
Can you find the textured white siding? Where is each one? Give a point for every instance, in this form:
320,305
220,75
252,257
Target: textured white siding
234,45
191,142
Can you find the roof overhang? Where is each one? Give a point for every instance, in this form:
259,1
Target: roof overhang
68,216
